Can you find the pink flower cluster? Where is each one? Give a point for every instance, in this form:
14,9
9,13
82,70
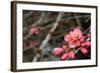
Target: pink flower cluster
75,40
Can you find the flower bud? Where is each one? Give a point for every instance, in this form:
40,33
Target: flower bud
88,44
57,51
71,55
34,30
84,50
64,56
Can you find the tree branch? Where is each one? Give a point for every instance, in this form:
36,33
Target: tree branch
78,21
28,14
40,20
45,41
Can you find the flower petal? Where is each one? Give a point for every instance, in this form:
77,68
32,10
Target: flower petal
84,50
64,56
57,51
71,55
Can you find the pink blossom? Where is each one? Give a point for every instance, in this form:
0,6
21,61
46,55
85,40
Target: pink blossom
73,35
71,54
76,34
84,50
88,44
74,40
34,43
34,30
82,39
64,56
67,38
72,44
57,51
78,43
83,44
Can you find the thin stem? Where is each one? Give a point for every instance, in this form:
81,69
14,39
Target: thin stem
28,14
78,21
87,30
40,20
76,51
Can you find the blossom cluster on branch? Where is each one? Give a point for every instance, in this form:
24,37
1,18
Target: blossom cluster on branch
75,41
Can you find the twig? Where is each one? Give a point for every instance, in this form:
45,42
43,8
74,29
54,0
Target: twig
45,41
28,14
65,19
47,17
35,24
87,19
50,25
76,51
51,30
78,21
78,16
40,20
87,30
27,36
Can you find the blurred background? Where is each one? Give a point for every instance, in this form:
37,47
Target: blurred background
45,30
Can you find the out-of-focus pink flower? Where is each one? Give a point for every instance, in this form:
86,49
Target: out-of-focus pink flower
34,30
34,43
57,51
71,54
83,44
67,38
88,44
64,56
48,55
84,50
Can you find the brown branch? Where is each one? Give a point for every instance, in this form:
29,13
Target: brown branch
45,41
51,30
50,25
64,19
87,19
27,36
87,30
28,14
78,21
76,16
40,20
